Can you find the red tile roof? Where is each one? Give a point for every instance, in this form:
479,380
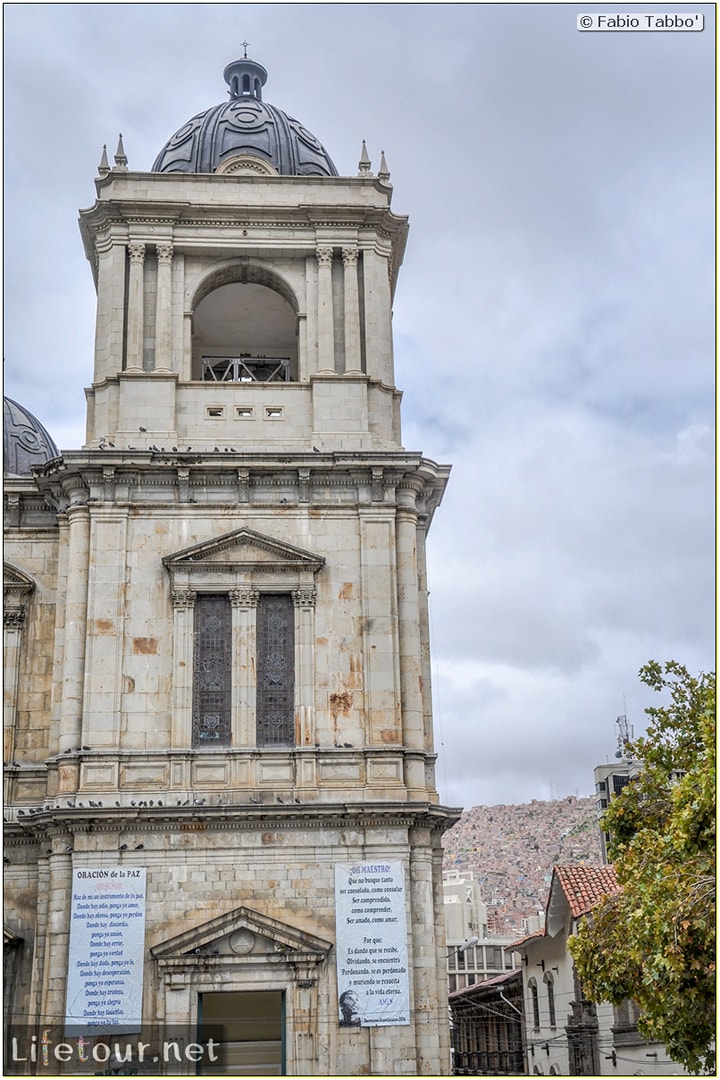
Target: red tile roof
524,940
585,886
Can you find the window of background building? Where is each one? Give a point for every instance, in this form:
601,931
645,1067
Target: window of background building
551,997
532,987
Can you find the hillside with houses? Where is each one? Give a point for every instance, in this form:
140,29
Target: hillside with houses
512,850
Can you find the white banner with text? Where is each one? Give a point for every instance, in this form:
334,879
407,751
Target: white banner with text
107,944
371,933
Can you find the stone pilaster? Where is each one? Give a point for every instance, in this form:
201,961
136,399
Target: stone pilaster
58,930
136,252
183,604
424,965
76,600
326,325
304,600
110,305
353,361
39,967
13,623
163,308
244,603
409,632
186,368
105,627
378,322
378,587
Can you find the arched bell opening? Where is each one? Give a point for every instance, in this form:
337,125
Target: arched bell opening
244,332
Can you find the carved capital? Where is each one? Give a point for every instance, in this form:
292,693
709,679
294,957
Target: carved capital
136,251
183,598
304,596
14,618
324,257
246,597
349,258
164,253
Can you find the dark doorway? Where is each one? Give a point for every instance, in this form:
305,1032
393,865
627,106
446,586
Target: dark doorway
248,1032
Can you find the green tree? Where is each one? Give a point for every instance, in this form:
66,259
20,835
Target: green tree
654,941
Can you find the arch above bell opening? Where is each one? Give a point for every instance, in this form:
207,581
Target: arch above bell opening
243,272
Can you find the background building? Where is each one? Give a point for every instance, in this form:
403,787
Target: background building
611,778
565,1033
218,680
488,1027
473,954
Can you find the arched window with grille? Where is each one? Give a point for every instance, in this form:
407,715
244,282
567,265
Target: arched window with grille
549,982
535,1002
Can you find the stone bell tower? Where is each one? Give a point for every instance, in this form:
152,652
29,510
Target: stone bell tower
241,663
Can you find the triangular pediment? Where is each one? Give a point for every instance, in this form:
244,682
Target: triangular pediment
242,934
244,549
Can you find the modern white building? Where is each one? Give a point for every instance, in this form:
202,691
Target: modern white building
472,953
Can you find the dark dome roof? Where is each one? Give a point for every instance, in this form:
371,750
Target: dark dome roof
25,441
244,135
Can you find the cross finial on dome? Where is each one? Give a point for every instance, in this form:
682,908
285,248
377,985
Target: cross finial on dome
245,47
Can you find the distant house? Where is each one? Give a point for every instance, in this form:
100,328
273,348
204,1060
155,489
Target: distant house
488,1027
565,1033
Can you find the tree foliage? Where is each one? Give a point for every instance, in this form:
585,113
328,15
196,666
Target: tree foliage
654,941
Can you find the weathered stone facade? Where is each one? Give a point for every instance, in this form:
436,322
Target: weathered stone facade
192,485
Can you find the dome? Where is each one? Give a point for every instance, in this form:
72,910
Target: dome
244,135
25,441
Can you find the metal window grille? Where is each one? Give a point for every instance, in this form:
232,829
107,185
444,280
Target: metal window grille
212,671
275,705
245,369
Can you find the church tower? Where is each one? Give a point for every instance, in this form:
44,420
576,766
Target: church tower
234,734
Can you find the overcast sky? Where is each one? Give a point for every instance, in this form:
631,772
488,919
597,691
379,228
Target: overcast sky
554,323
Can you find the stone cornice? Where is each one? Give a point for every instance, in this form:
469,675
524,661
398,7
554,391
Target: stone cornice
185,221
164,819
377,480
